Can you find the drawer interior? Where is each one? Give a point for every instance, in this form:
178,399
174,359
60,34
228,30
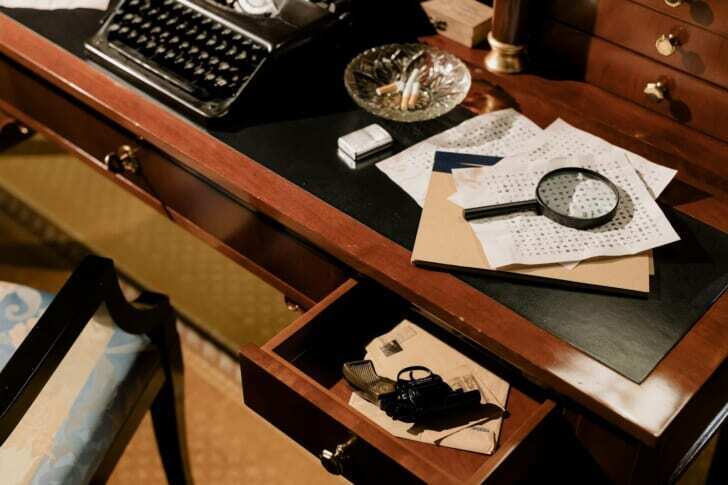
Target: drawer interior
320,343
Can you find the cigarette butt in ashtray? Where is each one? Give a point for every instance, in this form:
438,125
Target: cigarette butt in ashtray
407,92
412,102
394,87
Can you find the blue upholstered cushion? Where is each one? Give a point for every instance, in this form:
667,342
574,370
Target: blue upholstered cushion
71,425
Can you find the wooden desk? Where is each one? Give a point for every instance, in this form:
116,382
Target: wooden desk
315,253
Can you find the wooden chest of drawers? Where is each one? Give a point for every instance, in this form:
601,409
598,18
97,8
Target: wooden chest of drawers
666,59
665,39
709,14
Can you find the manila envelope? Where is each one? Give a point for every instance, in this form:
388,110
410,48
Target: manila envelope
445,240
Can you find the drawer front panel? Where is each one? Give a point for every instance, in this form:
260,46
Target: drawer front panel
301,369
688,100
258,243
708,14
274,393
696,51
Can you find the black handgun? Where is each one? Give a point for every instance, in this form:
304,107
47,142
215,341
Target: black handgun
409,399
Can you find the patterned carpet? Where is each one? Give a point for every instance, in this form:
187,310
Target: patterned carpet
53,209
229,444
232,304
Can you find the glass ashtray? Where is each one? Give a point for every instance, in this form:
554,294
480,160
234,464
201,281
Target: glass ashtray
437,80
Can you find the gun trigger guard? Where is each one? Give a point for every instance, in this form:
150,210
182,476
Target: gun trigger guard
412,369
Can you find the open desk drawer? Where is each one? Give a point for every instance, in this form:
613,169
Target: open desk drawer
295,382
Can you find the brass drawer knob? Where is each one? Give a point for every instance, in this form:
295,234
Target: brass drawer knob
124,160
667,44
12,127
673,3
291,305
336,462
656,90
15,128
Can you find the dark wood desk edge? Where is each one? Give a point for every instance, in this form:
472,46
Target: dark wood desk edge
543,357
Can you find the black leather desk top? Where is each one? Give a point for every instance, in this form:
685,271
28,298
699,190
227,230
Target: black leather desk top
296,137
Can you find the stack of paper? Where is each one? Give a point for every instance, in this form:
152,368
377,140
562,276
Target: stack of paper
500,133
614,255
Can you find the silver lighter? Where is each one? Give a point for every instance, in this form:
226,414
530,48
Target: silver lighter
356,146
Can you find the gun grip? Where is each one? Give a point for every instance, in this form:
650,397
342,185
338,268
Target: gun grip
362,376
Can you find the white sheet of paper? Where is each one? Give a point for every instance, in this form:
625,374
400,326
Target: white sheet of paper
499,133
560,139
528,238
55,4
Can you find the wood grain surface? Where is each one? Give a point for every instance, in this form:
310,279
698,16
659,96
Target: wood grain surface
688,100
318,343
644,411
637,28
711,15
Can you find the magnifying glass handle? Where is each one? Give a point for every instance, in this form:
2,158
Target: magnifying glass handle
500,209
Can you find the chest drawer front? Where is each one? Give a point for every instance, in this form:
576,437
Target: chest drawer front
665,39
256,242
295,382
708,14
687,100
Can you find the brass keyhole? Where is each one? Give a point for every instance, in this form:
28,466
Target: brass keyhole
124,160
336,462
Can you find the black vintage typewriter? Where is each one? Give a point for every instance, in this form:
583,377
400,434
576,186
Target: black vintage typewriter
205,54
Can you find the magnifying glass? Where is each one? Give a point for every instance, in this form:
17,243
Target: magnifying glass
572,196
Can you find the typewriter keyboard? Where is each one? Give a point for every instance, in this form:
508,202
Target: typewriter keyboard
207,63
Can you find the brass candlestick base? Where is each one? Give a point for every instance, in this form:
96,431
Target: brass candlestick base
504,58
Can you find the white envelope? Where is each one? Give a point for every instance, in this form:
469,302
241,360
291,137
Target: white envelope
407,345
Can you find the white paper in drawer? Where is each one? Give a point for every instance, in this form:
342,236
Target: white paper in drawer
407,345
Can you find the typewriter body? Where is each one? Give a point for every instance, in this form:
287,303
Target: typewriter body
205,54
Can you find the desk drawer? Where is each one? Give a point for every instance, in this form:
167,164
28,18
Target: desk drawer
698,52
688,100
260,244
708,14
295,382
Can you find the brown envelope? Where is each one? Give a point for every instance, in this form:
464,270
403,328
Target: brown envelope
445,239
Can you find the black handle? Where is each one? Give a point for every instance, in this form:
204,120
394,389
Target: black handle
500,209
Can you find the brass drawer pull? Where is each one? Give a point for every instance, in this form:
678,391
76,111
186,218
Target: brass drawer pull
656,90
10,128
15,126
673,3
291,305
667,44
123,160
336,462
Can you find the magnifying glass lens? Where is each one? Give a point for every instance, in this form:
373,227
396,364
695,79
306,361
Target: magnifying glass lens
577,194
572,196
